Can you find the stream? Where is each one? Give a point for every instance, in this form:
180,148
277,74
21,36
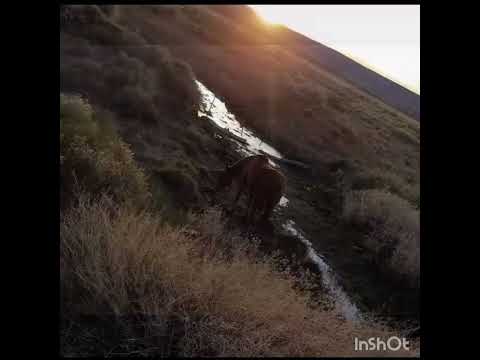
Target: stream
216,111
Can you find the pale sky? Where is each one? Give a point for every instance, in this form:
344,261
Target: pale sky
385,38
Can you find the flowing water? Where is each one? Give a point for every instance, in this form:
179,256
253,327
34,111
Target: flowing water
329,279
216,111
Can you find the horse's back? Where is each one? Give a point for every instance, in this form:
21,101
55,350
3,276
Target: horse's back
251,159
270,183
255,163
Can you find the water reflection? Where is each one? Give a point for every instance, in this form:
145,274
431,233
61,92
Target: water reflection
215,110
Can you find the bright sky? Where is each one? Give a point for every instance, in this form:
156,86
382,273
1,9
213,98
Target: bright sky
385,38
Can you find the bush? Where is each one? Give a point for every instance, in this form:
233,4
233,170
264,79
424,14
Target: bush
142,287
134,102
394,229
147,79
180,83
388,181
181,184
93,158
90,22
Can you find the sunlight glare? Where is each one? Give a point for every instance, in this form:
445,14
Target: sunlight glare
385,38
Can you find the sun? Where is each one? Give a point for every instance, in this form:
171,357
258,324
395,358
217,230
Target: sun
270,14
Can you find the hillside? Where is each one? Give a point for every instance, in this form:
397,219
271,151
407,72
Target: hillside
140,158
329,59
277,92
388,91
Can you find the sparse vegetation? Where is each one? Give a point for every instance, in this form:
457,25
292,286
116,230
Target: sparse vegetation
180,182
159,290
388,181
393,229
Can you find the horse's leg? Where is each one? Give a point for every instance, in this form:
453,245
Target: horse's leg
239,192
247,215
258,209
252,203
242,187
269,206
249,194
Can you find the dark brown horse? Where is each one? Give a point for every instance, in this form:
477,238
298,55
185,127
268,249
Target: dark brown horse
264,185
242,173
265,193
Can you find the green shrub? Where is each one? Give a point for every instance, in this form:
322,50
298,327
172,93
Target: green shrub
93,158
148,80
394,229
181,184
388,181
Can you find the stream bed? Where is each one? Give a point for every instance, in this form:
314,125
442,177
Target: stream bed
249,144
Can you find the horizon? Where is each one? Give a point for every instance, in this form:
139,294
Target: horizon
383,38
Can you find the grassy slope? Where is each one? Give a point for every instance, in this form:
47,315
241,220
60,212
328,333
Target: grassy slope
151,96
305,111
144,288
131,284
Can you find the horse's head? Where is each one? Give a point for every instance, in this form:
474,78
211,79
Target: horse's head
225,178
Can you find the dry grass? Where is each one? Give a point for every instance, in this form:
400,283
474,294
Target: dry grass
376,178
205,301
394,229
